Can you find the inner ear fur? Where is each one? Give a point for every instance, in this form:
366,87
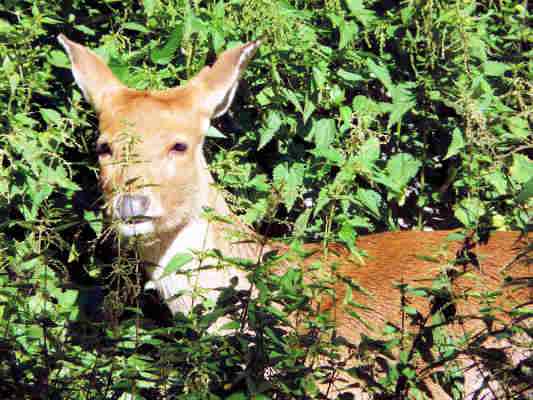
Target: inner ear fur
92,75
220,81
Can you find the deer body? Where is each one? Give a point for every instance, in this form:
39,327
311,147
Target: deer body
161,194
409,257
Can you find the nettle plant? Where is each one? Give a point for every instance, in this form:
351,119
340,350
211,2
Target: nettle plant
355,117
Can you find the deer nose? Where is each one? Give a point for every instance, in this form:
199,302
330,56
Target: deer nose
131,205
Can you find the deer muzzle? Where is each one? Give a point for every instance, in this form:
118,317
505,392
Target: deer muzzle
131,208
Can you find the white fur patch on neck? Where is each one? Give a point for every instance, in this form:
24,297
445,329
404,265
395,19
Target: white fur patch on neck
193,285
193,237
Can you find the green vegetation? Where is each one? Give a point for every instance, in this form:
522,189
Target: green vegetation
355,116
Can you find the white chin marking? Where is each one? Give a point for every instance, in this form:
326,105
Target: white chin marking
141,228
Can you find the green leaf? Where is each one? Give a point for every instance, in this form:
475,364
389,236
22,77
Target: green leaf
59,59
469,211
319,76
230,326
301,223
256,212
348,235
360,222
85,29
499,181
178,261
94,221
368,154
455,236
349,76
120,68
134,26
329,153
346,115
337,95
293,98
218,40
58,176
259,183
380,72
5,26
165,54
265,96
289,182
370,199
322,201
399,109
401,168
50,116
67,298
363,105
410,310
494,68
457,144
39,193
522,168
323,132
526,193
51,21
272,125
309,108
348,30
519,128
359,11
149,7
213,132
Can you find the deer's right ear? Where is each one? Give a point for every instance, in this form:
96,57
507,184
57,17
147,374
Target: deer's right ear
219,82
92,75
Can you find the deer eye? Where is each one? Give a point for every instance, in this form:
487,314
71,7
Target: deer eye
179,147
103,149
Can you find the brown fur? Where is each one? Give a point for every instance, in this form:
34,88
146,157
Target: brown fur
402,257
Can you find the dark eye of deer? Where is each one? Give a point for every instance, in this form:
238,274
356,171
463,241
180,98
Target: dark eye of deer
179,148
103,149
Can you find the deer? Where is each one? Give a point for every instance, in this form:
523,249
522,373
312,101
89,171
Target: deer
160,197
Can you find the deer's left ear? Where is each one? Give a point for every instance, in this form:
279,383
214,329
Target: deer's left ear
219,82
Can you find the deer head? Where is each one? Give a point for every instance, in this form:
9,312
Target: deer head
153,173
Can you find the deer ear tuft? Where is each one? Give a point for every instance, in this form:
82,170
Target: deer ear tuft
219,82
91,74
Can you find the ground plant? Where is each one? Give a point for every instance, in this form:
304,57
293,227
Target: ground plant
355,116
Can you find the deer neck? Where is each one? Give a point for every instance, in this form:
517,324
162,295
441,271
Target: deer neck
197,234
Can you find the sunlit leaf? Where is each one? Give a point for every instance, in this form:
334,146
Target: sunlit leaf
272,125
177,262
456,145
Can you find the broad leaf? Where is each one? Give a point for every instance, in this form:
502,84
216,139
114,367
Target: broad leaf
469,211
526,193
177,262
401,168
522,168
323,132
457,144
164,55
272,125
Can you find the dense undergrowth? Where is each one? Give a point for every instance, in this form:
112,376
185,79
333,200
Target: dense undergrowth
354,117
